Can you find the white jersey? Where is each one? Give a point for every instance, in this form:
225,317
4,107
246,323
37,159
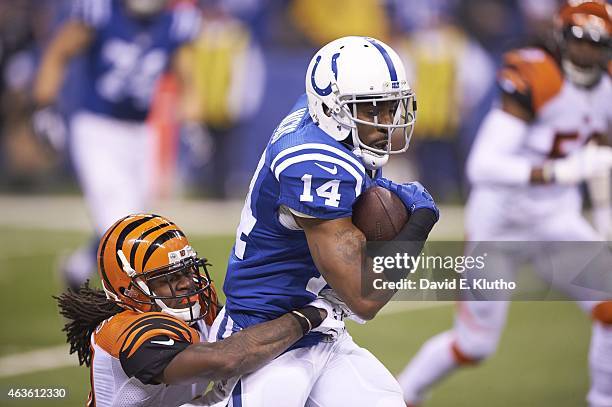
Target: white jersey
565,118
129,350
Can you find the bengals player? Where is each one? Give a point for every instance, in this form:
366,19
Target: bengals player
145,335
531,154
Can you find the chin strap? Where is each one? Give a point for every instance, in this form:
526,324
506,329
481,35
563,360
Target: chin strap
184,314
371,161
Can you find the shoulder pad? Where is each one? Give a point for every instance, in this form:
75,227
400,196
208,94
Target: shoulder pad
127,330
318,179
289,124
313,151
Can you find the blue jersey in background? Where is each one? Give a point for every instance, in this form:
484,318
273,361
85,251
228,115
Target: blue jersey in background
128,55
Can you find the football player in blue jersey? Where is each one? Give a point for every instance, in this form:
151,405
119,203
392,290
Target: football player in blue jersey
296,240
126,45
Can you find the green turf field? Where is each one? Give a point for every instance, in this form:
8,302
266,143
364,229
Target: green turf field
541,361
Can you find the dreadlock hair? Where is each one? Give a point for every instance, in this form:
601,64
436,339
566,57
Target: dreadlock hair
84,308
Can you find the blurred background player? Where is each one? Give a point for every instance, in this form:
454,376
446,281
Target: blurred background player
144,336
229,73
296,234
527,162
126,45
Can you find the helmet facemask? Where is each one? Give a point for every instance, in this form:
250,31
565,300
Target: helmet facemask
157,288
584,74
398,131
578,24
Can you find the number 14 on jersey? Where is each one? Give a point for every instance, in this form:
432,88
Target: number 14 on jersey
328,190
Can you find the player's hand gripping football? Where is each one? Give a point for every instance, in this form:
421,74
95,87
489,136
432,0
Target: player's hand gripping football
413,195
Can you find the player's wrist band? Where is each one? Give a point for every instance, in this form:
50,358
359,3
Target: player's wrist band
308,318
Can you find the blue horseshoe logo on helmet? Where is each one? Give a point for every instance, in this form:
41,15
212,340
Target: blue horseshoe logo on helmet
327,90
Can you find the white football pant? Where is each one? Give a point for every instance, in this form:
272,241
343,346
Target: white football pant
329,374
114,162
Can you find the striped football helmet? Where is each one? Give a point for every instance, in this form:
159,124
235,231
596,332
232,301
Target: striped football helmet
144,251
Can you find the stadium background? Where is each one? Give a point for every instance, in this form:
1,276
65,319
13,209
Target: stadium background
542,356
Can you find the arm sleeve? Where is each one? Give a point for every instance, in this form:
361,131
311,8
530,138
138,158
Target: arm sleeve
322,187
151,343
150,359
495,156
93,13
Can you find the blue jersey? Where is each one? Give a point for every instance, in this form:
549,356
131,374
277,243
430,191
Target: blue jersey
270,269
127,55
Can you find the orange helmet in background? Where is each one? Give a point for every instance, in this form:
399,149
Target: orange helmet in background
143,248
588,21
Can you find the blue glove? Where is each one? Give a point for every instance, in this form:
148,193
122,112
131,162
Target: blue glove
413,195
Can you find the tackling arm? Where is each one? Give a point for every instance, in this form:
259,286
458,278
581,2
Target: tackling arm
72,38
241,353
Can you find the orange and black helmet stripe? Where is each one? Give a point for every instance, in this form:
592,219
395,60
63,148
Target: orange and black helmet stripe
123,234
130,227
144,234
101,251
158,242
149,243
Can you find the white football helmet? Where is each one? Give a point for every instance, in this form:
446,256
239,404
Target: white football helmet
352,70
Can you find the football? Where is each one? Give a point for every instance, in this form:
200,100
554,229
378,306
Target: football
379,214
